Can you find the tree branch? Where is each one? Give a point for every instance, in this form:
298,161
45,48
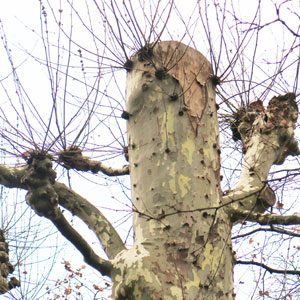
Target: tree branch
43,199
11,177
265,219
72,158
90,257
269,269
256,26
294,33
91,216
268,138
112,243
271,229
247,197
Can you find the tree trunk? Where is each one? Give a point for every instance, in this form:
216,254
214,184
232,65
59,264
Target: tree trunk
182,246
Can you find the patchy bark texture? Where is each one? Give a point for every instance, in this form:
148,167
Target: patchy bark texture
182,223
268,138
182,247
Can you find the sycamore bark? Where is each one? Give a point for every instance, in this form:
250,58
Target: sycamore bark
182,247
182,220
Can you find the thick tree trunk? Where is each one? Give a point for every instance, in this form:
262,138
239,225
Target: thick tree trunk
182,246
182,224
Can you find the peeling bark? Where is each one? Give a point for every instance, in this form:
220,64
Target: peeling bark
182,223
179,251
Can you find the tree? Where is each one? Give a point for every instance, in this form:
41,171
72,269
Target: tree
183,217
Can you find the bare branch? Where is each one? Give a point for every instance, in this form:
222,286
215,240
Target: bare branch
265,219
43,199
269,269
90,257
90,215
271,229
77,205
268,138
72,158
255,26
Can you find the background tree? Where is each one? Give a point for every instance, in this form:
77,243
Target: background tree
69,123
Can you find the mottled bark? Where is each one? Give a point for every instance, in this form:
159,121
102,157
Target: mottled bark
182,247
182,222
92,217
268,138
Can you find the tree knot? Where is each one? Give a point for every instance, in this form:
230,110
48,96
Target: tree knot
278,118
72,158
6,267
145,53
243,120
40,177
